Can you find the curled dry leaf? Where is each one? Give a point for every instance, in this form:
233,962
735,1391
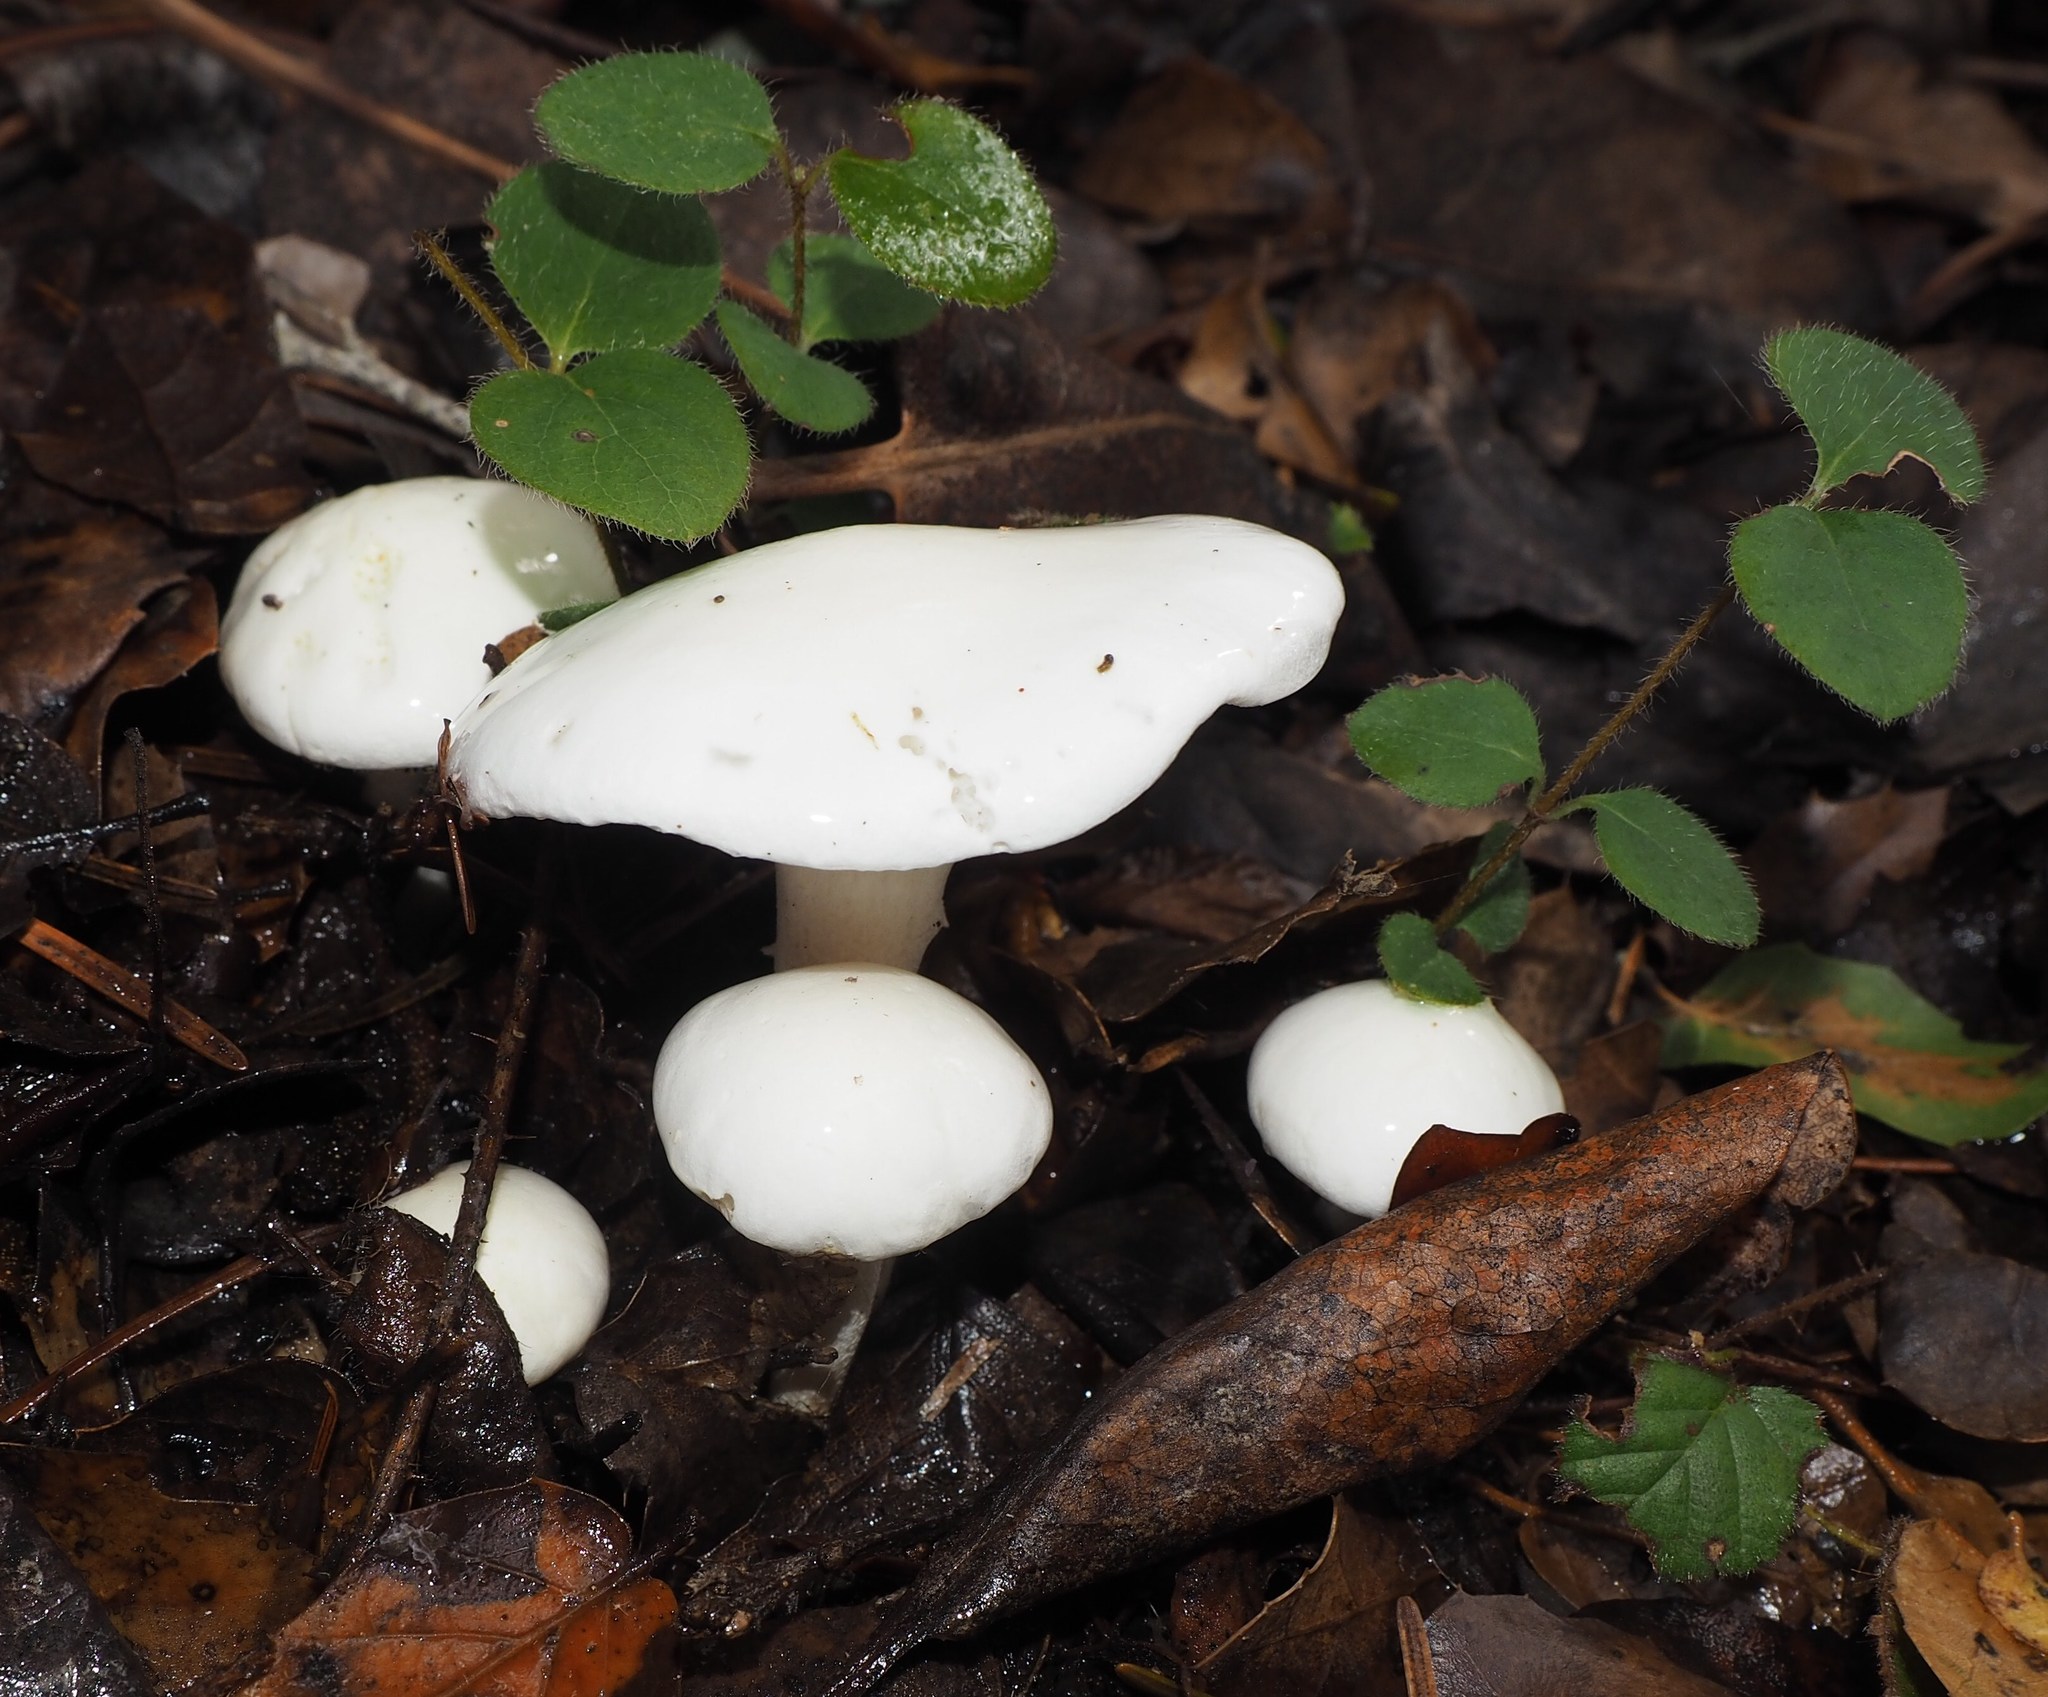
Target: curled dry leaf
515,1593
1398,1345
1935,1584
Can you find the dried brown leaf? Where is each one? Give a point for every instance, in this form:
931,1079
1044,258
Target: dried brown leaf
1512,1647
1934,1581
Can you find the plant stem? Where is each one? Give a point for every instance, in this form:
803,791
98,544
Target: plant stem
459,280
1568,780
799,185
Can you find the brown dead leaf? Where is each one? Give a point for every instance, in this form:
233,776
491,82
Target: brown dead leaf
1553,985
1885,129
197,1588
1965,1335
1003,424
1513,1647
1197,142
1934,1581
1331,1633
514,1593
1816,866
1395,1346
179,628
1616,1077
2016,1595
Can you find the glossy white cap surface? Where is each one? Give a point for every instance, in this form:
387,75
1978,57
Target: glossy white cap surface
359,626
855,1109
542,1257
890,696
1344,1083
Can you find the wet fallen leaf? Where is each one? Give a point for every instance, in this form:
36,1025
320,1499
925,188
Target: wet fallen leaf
1235,367
523,1592
57,1634
1965,1335
1617,1077
1396,1345
1197,142
1817,866
1934,1581
1909,1063
1512,1647
197,1587
2015,1594
1331,1633
179,628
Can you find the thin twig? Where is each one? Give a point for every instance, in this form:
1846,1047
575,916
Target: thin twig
1934,1166
1597,745
1526,1510
1245,1170
120,986
1840,1291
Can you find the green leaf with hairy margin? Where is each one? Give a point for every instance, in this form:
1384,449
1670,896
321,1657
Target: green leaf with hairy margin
1421,967
561,618
1669,860
849,294
800,387
1709,1473
637,436
1872,604
961,216
1909,1064
1866,409
596,264
684,123
1500,916
1457,742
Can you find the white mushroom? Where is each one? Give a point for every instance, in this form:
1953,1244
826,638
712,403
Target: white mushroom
866,706
541,1256
853,1109
1342,1085
357,628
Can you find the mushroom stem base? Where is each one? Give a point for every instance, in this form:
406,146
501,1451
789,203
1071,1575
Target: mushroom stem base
813,1389
822,918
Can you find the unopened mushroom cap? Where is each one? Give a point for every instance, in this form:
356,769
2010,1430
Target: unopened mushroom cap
1344,1083
542,1257
359,626
891,696
855,1109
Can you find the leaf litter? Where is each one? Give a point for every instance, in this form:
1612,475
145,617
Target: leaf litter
1496,287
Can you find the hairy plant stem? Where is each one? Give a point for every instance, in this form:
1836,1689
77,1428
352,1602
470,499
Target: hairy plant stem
1568,780
799,182
459,280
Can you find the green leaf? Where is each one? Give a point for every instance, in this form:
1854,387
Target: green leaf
800,387
1349,533
849,294
1457,742
1867,409
596,264
1669,861
1707,1472
961,216
1502,913
1420,966
561,618
636,435
1872,604
685,123
1909,1064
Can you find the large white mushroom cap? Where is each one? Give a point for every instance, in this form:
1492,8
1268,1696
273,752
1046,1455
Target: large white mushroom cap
1342,1085
360,626
542,1257
855,1109
894,696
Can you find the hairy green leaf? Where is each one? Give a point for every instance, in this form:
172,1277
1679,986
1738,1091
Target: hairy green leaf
1673,864
636,435
596,264
1909,1064
1457,742
1866,409
800,387
961,216
1707,1472
1420,966
849,294
685,123
1499,916
1872,604
1349,533
561,618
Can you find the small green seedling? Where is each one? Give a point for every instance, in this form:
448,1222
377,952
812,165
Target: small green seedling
1707,1471
609,255
1871,603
